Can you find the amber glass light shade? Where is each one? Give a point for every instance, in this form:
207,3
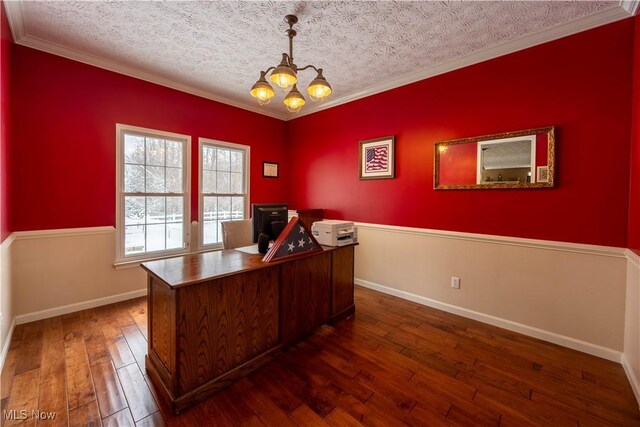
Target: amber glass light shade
262,90
319,88
294,100
283,75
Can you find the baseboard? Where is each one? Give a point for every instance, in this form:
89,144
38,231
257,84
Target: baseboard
7,344
635,386
583,346
70,308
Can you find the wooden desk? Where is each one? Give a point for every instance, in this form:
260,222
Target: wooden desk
309,216
216,316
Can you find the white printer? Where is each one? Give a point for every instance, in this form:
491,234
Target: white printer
331,232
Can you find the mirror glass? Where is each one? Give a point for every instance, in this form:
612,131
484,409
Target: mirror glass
522,159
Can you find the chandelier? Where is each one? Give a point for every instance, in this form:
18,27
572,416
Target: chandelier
286,75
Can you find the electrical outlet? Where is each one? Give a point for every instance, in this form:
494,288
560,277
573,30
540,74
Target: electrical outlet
455,282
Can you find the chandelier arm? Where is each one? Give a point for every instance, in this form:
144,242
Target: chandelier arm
309,66
284,75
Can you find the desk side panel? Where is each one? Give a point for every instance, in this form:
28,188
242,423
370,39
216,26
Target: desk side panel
162,325
342,282
305,299
224,323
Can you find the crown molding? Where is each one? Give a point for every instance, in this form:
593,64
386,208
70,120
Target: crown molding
107,64
631,6
624,9
606,16
15,17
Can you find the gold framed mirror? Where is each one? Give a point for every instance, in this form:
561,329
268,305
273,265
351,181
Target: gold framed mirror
521,159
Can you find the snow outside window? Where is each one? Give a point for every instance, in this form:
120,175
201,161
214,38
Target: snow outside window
224,183
153,193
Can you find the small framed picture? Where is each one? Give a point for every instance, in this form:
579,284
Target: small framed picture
377,157
270,169
542,174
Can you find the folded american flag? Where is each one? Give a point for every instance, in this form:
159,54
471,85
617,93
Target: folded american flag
295,239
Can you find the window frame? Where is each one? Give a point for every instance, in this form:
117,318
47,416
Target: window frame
120,257
201,195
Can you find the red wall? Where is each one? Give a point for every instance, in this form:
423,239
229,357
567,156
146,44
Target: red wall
581,84
5,120
634,192
64,138
63,142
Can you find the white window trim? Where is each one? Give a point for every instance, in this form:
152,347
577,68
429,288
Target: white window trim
120,258
247,168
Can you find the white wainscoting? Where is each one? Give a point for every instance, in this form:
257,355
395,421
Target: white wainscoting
569,294
47,273
7,319
631,354
60,271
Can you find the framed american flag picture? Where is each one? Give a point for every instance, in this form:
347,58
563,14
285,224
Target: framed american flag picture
377,158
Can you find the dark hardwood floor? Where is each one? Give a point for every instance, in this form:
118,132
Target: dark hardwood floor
395,363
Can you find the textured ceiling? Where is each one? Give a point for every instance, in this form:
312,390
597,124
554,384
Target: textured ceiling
363,47
508,154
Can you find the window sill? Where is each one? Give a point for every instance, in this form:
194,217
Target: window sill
128,264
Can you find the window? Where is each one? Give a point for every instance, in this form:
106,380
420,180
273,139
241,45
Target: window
224,187
153,193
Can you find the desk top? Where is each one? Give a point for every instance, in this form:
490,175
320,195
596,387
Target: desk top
252,249
194,268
